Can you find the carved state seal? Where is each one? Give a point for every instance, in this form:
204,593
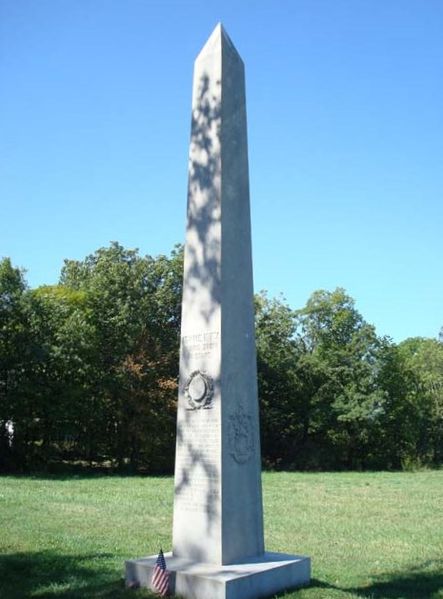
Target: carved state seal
241,438
199,390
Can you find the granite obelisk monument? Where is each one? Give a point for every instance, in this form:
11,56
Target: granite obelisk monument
218,546
218,506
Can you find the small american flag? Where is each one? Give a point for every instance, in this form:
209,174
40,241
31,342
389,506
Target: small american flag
160,577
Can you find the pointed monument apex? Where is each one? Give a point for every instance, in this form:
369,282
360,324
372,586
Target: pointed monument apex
219,38
218,547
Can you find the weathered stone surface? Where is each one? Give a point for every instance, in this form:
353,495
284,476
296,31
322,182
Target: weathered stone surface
218,548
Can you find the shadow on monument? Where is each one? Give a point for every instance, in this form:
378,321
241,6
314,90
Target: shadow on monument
202,260
204,169
197,459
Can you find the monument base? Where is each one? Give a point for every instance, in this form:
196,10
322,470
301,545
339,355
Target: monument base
256,578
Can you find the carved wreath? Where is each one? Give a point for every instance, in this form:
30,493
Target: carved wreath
199,390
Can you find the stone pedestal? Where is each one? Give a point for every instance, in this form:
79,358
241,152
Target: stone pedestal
253,579
218,547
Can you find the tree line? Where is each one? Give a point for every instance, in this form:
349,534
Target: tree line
89,374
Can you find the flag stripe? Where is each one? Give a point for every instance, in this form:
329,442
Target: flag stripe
160,576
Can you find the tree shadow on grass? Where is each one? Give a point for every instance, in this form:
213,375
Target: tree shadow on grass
67,470
419,582
48,574
80,474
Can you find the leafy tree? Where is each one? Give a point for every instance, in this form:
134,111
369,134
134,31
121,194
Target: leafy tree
13,350
348,402
89,367
422,361
135,306
63,369
89,370
280,388
12,324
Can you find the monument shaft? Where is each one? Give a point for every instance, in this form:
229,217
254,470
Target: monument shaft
218,504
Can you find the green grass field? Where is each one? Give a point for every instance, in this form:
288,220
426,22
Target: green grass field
371,535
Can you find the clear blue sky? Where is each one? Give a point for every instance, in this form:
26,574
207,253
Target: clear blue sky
345,117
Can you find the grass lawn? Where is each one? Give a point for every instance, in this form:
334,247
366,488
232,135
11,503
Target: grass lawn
371,535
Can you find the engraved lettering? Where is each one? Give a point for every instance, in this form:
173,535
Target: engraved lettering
200,344
198,483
